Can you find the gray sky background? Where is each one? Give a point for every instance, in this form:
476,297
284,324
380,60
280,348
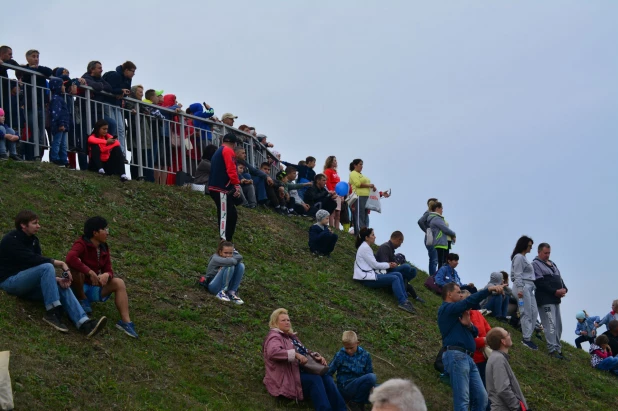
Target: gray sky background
505,111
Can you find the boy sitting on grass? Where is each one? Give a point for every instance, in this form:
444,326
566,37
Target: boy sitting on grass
322,240
355,377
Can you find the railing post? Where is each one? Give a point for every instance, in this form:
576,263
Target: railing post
88,113
138,135
182,144
35,117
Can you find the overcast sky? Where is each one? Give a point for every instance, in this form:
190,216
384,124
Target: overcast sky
505,111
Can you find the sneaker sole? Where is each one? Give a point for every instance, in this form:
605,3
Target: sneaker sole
98,327
63,330
125,331
526,345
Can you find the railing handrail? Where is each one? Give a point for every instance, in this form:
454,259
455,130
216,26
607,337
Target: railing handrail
236,131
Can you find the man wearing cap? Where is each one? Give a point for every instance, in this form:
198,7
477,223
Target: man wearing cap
228,119
224,186
458,334
550,290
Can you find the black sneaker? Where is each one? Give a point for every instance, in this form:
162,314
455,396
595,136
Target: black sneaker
53,317
3,157
420,300
407,306
92,327
558,355
530,344
15,157
356,406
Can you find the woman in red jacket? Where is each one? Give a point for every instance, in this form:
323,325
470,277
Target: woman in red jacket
483,326
332,178
105,152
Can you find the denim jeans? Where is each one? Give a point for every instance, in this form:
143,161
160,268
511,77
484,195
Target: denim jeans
227,279
498,305
433,259
11,145
39,283
468,390
394,280
260,188
59,147
359,388
115,113
406,270
323,392
609,364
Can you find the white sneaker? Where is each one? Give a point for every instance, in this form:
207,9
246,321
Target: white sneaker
235,299
221,295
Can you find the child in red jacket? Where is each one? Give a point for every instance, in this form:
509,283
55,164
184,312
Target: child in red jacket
105,153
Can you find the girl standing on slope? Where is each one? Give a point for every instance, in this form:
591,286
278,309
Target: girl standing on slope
523,277
332,178
586,328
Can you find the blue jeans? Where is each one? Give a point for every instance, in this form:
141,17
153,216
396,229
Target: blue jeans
359,388
322,391
609,364
498,304
406,270
433,259
115,113
466,381
4,143
39,283
394,280
260,188
59,147
227,279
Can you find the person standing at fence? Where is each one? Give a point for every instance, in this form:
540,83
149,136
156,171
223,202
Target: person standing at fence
60,123
522,274
362,186
32,109
224,186
8,87
431,251
120,80
148,152
550,289
440,231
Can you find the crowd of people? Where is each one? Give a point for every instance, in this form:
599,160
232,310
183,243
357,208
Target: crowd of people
474,357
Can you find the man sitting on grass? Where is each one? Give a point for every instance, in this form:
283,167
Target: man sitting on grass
93,278
26,273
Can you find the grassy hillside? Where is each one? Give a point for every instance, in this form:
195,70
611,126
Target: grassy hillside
196,352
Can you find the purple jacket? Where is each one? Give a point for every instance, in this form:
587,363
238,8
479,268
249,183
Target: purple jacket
282,373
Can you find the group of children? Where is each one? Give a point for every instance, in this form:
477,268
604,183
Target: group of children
602,356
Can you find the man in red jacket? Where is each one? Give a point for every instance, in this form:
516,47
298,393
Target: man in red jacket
93,279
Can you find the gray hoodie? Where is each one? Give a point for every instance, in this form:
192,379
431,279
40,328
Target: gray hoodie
496,279
521,270
216,262
422,222
440,230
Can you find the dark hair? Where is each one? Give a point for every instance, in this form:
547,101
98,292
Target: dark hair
505,276
92,65
431,199
318,177
397,234
290,169
354,163
522,245
128,65
265,163
362,235
24,217
436,205
602,339
448,288
188,110
452,257
4,49
224,244
209,151
94,224
98,125
612,325
542,246
150,93
309,159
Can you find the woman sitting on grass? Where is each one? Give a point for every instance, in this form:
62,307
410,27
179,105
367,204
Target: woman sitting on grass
105,152
224,273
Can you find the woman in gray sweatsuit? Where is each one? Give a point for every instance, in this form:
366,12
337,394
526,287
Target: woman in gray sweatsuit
522,274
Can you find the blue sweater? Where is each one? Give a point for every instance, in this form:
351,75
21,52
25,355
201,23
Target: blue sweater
350,367
198,111
453,332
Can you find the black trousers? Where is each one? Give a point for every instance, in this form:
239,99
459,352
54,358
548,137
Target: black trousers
226,214
326,245
114,164
583,338
442,253
327,204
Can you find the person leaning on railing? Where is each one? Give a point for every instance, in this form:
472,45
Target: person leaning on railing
8,87
105,153
120,80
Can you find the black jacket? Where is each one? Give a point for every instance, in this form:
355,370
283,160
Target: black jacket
548,284
315,195
386,253
42,95
118,81
18,252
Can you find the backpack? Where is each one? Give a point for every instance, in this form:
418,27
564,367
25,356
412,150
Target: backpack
428,237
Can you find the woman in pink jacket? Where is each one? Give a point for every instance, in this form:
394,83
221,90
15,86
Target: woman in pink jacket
284,356
105,154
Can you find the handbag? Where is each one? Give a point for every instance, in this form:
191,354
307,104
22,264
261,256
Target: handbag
430,284
313,366
352,198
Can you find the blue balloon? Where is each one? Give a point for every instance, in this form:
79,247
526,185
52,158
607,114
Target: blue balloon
342,188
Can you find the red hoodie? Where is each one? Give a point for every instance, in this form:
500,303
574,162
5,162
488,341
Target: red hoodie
83,258
103,146
483,326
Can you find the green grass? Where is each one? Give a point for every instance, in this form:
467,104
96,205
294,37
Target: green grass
195,352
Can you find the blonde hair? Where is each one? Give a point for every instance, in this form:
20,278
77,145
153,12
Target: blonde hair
274,318
349,337
615,302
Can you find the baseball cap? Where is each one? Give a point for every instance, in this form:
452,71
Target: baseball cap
159,92
230,138
228,115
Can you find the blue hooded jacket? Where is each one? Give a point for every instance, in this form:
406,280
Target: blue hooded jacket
118,81
198,111
58,107
588,326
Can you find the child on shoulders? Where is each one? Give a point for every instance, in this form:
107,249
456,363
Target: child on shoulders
355,377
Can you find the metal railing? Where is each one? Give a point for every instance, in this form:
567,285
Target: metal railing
159,139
